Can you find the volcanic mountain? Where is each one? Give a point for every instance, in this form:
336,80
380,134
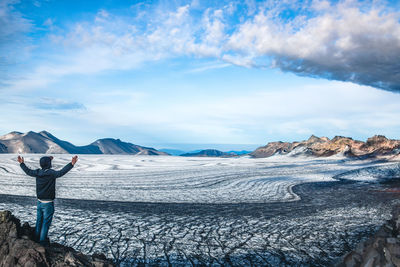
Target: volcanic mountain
377,145
46,143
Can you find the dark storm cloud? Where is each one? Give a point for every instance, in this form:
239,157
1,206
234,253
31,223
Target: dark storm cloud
347,41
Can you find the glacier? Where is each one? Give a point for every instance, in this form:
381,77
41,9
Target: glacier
279,211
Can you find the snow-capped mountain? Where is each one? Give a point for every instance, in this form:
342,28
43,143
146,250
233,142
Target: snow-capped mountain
46,143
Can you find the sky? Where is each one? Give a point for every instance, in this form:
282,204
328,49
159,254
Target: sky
192,74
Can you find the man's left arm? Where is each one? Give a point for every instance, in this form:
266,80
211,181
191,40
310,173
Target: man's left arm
66,168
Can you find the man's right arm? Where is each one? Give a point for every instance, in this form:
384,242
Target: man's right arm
28,171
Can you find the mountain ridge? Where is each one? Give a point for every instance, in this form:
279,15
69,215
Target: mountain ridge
375,146
209,153
45,143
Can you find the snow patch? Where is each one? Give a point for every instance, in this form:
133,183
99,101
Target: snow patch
373,173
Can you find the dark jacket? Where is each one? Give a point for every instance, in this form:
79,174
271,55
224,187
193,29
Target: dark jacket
46,178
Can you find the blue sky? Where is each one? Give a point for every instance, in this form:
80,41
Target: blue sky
173,73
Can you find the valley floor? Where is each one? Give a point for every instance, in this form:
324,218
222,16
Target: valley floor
330,220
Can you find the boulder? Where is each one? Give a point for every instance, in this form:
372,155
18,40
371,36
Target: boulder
18,248
382,249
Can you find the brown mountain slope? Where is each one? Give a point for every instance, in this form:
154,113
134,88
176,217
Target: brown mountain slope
377,145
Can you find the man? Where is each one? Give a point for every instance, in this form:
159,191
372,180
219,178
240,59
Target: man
46,193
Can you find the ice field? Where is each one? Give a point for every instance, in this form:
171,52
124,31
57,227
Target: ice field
169,179
161,210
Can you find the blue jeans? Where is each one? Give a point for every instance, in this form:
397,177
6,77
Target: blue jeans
44,217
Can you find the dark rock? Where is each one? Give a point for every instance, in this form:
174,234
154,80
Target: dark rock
3,148
383,249
17,248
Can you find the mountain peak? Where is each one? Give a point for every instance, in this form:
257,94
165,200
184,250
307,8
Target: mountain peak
338,138
314,139
30,133
377,139
116,146
324,138
109,139
46,133
45,143
10,135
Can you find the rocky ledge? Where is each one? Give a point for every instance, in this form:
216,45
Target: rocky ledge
17,248
383,249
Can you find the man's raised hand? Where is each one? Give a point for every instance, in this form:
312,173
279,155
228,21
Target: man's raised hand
74,160
20,159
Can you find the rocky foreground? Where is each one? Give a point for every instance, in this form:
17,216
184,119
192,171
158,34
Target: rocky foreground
17,248
383,249
375,146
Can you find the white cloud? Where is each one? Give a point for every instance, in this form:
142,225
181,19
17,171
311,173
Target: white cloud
12,22
49,103
329,108
326,108
48,22
14,44
321,5
114,43
209,66
347,41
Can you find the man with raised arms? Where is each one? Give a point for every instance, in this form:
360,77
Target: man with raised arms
45,192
